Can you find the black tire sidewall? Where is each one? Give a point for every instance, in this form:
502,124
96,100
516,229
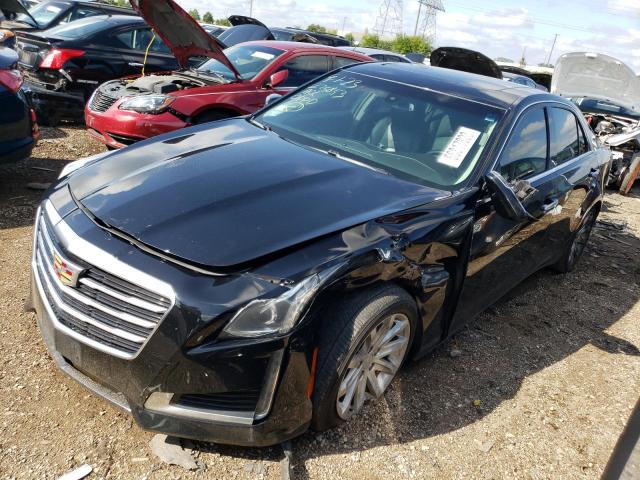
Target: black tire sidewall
333,365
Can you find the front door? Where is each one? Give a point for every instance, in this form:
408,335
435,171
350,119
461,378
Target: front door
504,251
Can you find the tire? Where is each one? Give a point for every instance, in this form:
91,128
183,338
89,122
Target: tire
630,175
579,240
351,326
212,116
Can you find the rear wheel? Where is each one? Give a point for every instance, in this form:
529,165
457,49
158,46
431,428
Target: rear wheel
362,349
579,241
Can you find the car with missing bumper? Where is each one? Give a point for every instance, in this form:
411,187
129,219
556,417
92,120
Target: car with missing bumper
233,81
242,280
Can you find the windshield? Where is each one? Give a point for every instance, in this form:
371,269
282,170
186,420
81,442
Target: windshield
410,132
79,29
249,60
43,13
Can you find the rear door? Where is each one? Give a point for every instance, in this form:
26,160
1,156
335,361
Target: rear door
572,172
132,44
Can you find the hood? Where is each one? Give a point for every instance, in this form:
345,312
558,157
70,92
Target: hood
465,60
8,58
221,196
15,6
244,29
597,76
181,33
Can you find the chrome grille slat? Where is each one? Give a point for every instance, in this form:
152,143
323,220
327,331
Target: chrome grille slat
88,301
101,102
101,308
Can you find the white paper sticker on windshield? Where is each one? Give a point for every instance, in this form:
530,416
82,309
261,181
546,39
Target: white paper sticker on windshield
458,147
263,55
53,9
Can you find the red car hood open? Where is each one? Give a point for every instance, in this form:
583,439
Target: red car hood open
182,34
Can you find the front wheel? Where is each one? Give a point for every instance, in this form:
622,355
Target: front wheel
365,342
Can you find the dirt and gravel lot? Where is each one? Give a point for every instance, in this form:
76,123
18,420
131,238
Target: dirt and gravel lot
542,388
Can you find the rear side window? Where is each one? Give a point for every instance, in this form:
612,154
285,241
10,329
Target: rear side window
344,61
79,29
525,154
139,38
563,136
304,69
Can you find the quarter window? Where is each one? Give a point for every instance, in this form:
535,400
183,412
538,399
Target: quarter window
304,69
344,61
563,136
525,154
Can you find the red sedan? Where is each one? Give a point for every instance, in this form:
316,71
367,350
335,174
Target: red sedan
234,81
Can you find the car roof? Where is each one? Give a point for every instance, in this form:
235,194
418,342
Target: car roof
371,51
491,91
291,46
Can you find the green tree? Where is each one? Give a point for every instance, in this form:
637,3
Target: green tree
349,36
314,27
222,21
411,44
207,17
195,14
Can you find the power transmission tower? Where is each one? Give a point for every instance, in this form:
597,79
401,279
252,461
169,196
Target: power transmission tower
426,21
389,20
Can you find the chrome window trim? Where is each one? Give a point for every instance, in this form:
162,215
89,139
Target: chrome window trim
513,125
160,402
541,175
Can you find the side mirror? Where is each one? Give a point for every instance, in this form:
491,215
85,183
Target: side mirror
278,78
506,200
274,97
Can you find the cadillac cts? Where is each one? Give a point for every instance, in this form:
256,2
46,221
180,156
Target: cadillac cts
243,280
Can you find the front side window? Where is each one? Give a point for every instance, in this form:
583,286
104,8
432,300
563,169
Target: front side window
344,61
305,68
412,133
563,136
525,153
248,60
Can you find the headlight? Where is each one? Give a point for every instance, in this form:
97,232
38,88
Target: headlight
73,166
278,315
147,103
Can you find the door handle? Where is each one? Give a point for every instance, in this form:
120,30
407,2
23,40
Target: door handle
136,64
549,205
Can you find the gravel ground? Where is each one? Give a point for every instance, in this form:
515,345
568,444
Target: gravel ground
542,388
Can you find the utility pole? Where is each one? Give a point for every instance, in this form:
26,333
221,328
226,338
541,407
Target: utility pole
251,8
344,22
553,45
415,30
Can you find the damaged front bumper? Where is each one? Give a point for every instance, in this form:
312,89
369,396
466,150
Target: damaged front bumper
248,392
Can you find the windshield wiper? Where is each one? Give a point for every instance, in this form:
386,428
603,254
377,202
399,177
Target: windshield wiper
216,75
253,121
340,156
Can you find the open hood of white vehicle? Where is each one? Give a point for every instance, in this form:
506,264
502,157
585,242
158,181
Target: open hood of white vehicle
598,76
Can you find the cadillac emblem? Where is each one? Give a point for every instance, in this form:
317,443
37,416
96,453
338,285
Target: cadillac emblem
66,272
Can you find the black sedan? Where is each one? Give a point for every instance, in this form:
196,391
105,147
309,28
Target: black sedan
18,127
242,280
64,65
48,14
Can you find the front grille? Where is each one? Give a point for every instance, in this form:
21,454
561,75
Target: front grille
228,401
101,308
100,102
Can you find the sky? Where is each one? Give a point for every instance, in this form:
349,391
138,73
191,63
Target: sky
497,28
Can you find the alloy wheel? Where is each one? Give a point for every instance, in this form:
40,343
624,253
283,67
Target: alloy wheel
373,364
